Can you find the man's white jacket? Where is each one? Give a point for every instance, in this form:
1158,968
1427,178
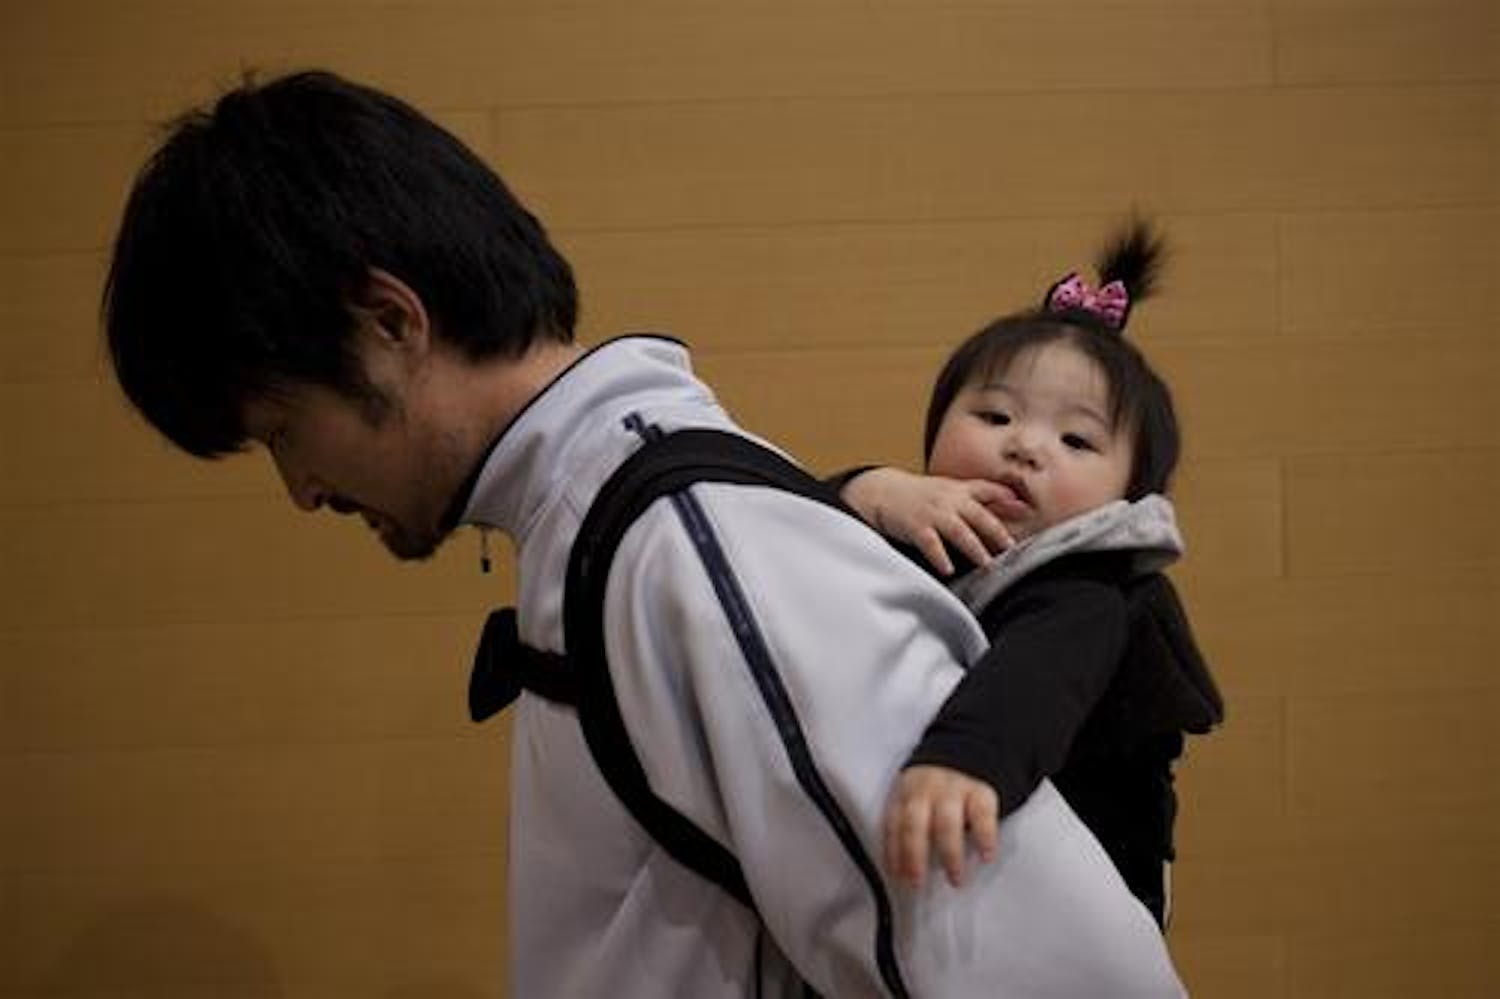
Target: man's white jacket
780,736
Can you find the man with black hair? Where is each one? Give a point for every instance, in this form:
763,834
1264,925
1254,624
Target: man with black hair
313,266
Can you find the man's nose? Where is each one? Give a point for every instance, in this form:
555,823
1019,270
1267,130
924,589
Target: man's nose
304,491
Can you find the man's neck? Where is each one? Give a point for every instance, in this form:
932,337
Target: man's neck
512,389
485,398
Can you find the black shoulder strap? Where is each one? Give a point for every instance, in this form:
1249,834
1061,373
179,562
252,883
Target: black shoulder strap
665,464
503,666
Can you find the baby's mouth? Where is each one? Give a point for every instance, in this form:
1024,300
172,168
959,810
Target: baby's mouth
1017,489
1018,503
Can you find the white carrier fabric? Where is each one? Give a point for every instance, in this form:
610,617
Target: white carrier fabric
863,647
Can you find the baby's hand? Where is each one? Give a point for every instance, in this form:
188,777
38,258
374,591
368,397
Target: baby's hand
923,510
929,810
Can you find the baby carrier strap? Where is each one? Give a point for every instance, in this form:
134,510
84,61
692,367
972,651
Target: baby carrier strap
666,463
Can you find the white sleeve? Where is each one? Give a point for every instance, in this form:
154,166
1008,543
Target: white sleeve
775,663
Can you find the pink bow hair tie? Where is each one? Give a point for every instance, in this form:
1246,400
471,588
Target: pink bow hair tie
1110,302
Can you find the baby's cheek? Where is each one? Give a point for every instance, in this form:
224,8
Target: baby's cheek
1067,500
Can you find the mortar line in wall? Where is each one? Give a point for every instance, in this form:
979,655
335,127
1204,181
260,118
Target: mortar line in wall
1366,208
1271,87
279,864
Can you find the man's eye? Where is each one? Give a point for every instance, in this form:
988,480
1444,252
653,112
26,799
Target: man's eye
1078,442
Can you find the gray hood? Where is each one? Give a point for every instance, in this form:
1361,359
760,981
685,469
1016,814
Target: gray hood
1147,526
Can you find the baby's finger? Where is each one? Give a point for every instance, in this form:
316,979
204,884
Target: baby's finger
909,842
896,820
983,521
982,810
930,543
962,537
948,838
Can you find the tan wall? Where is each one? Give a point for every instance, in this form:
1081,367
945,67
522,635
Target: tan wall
233,755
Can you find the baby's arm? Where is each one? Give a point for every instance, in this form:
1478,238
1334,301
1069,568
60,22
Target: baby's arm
925,510
1008,724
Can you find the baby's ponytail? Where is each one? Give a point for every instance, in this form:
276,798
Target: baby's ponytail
1128,270
1133,257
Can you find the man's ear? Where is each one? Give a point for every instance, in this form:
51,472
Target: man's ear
390,310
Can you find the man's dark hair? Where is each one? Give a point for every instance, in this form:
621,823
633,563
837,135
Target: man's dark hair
253,228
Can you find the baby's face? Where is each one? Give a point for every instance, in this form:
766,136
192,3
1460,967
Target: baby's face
1040,428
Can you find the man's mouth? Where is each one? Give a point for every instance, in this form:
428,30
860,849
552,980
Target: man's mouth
348,507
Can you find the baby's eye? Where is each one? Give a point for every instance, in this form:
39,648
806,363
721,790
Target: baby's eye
994,417
1078,442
